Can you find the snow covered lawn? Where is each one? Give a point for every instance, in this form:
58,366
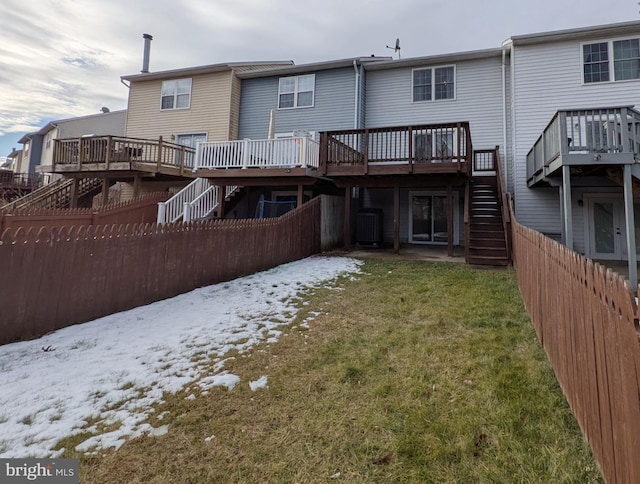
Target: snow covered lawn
110,371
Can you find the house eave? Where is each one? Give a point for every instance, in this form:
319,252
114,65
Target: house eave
435,59
193,71
311,67
582,33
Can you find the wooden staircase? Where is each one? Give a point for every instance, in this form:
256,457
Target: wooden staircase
487,244
56,195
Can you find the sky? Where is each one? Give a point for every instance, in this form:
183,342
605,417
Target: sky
64,58
114,369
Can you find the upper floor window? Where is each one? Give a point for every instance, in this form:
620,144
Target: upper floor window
433,83
176,94
296,92
616,60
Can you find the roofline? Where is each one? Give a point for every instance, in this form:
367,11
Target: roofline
621,28
314,66
192,71
53,124
435,59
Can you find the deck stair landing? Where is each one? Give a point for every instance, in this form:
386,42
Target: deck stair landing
198,200
487,243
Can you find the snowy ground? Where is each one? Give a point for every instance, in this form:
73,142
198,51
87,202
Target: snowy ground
51,386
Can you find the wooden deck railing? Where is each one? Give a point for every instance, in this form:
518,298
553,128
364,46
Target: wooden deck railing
438,145
613,130
106,150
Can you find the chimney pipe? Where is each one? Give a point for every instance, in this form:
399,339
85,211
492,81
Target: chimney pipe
147,48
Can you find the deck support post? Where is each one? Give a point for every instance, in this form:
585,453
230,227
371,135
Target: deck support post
105,191
449,220
347,217
300,196
630,226
567,215
136,186
396,218
74,193
220,211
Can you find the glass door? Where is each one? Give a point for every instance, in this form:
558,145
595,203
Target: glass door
428,219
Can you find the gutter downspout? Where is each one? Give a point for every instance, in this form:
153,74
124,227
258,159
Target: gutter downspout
357,95
504,118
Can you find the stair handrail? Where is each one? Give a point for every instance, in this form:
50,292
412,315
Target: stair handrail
206,203
173,209
504,203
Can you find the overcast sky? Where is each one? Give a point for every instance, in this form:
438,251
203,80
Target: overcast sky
64,58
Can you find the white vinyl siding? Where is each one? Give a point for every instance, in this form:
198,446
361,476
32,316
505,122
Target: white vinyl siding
478,101
534,106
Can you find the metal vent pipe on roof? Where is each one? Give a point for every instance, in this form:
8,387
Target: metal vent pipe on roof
147,49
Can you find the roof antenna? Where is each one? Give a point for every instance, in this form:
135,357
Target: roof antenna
396,49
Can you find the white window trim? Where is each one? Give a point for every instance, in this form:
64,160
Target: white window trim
175,95
433,84
296,92
612,72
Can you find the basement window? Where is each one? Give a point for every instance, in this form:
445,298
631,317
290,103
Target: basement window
616,60
176,94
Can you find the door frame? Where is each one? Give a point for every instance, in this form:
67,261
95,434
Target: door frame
455,224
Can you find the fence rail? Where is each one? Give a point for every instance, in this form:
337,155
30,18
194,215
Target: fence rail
52,278
585,316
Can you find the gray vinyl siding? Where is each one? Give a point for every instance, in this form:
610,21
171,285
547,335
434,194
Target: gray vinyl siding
478,91
100,124
548,78
333,107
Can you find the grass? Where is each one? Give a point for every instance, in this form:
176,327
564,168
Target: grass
415,372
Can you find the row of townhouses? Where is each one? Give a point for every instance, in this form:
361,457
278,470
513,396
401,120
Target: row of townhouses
409,143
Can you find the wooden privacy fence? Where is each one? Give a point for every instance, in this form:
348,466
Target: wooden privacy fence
143,209
585,317
52,278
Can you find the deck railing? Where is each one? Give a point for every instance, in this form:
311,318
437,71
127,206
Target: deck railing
264,153
584,131
114,149
428,144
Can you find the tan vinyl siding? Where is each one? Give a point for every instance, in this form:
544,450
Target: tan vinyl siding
234,107
209,111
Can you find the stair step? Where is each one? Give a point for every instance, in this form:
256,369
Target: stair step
488,261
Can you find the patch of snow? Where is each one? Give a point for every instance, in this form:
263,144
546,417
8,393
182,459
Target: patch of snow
259,383
224,379
114,369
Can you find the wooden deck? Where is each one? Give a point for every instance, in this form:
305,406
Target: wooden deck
589,138
420,150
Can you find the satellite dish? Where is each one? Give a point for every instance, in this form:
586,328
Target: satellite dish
396,49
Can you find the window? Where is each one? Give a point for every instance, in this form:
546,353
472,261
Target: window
296,92
176,94
617,60
433,83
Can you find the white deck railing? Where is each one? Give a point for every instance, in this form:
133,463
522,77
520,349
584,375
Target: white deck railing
173,209
265,153
205,203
